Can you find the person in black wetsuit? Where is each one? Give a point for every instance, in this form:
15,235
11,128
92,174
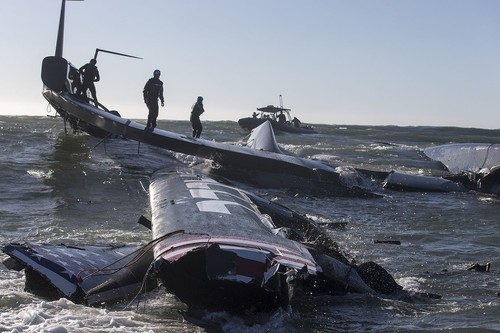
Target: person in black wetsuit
195,117
90,74
75,86
296,122
152,91
282,118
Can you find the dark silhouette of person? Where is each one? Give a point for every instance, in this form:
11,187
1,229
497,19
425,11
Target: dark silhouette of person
195,117
76,82
152,91
282,118
296,122
90,74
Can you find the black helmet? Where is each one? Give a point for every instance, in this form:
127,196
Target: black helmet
156,72
200,98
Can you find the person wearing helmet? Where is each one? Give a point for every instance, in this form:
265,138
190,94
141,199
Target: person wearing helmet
90,74
195,117
152,91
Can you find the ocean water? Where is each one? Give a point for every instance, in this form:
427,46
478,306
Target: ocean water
76,189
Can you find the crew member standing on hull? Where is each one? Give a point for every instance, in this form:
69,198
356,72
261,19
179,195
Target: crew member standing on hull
90,74
152,91
195,117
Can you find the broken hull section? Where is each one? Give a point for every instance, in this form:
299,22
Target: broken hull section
463,157
218,279
227,256
415,183
479,163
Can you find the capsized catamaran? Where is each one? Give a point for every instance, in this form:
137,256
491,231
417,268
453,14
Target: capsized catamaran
58,77
263,164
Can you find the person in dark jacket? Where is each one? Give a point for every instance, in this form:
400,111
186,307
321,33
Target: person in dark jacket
195,117
296,122
152,91
90,74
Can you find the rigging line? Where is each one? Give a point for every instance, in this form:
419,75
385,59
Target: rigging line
133,260
487,154
102,140
143,284
346,278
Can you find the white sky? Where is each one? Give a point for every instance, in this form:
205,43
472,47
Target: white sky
365,62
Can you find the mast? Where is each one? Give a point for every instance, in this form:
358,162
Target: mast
60,31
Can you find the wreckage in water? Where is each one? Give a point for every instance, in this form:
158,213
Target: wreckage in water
212,247
215,249
472,166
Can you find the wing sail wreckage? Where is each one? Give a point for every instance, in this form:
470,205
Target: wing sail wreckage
212,247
